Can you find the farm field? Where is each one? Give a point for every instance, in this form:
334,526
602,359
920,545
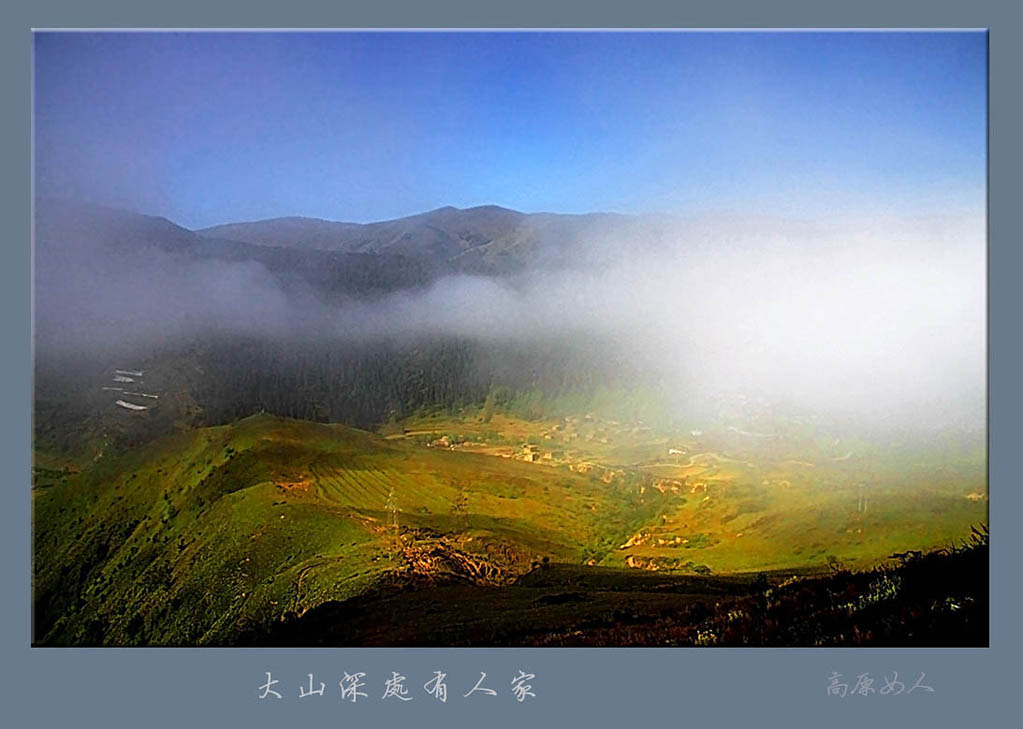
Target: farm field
777,496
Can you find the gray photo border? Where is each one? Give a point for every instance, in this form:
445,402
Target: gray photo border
586,687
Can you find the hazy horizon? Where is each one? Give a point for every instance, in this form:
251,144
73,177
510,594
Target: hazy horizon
211,128
819,233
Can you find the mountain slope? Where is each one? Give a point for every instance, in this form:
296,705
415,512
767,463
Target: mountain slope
97,249
445,232
273,530
487,239
440,237
199,537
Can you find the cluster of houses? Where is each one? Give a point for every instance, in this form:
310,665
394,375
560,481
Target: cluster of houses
129,384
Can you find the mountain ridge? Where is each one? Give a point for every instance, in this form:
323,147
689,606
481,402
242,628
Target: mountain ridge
486,240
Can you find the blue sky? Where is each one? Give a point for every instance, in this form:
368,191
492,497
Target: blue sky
207,128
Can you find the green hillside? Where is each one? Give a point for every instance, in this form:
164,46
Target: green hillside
215,536
198,536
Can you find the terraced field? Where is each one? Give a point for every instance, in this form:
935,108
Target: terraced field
733,500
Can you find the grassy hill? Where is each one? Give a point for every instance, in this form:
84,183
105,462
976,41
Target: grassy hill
260,531
200,535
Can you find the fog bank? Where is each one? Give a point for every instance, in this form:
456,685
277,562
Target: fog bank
872,317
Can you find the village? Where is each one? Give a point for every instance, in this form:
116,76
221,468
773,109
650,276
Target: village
719,491
129,384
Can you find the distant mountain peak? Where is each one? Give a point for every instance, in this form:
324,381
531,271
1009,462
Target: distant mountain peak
481,240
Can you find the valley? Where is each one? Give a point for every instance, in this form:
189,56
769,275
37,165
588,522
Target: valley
466,427
239,533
